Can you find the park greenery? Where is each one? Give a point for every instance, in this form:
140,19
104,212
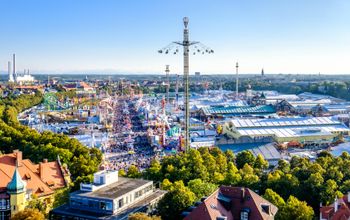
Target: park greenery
82,161
297,187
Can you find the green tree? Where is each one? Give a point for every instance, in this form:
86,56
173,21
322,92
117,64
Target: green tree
61,197
37,204
121,173
230,156
283,184
175,201
210,163
167,185
221,163
195,165
283,166
295,210
244,157
329,192
154,171
345,187
233,177
133,172
274,198
260,162
200,188
249,179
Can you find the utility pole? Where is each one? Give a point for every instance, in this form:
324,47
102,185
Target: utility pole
198,48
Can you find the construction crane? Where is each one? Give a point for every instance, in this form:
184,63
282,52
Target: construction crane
199,48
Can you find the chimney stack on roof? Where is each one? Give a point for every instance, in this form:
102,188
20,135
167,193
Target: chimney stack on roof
336,204
242,194
18,157
41,170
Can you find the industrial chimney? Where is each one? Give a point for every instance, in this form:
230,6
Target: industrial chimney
9,72
14,66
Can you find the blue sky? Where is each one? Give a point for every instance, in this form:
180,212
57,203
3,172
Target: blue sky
281,36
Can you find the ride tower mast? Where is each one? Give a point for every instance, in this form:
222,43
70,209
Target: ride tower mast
197,48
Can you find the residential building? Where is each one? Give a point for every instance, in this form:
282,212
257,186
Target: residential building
228,203
20,179
339,210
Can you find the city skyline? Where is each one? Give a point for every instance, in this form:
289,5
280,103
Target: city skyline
124,36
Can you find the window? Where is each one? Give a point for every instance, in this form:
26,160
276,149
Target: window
120,202
137,194
103,205
4,204
244,215
109,206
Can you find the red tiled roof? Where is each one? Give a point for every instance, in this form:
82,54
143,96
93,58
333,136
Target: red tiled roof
30,173
55,174
209,209
343,212
240,198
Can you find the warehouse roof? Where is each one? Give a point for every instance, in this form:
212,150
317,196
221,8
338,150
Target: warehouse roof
239,110
284,122
289,127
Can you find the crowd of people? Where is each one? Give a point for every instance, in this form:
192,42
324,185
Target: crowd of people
130,146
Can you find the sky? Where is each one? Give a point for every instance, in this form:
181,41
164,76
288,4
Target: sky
123,36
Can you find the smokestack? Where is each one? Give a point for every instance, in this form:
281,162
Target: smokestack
9,68
9,71
14,65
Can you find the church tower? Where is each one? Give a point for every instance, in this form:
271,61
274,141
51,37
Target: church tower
17,190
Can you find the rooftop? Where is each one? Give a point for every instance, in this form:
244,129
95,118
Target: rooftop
261,109
41,178
284,122
114,190
229,202
67,210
